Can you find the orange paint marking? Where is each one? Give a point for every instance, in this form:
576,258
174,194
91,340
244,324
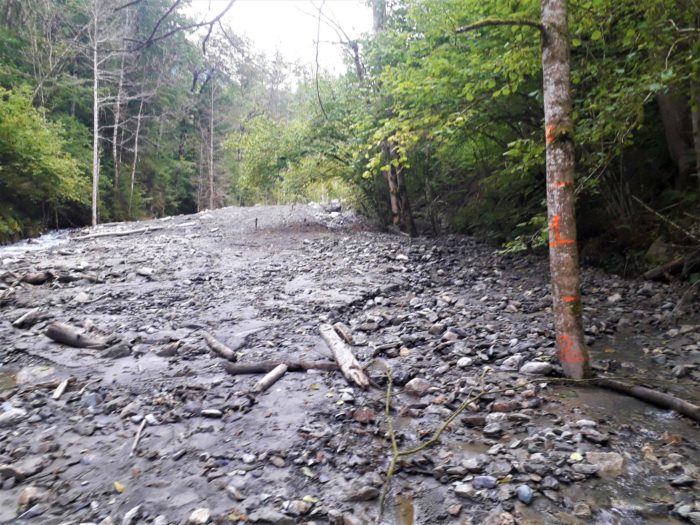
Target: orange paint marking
566,354
555,226
550,136
569,298
558,185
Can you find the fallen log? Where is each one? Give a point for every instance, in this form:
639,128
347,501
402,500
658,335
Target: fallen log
349,366
68,335
219,347
270,378
37,278
262,367
121,233
654,397
344,332
670,267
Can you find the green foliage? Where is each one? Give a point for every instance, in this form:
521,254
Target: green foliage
37,173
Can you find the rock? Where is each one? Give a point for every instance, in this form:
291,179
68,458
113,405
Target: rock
364,415
364,493
29,495
585,468
417,387
11,415
454,510
499,518
436,329
593,435
131,516
581,510
199,517
608,463
23,469
268,515
117,351
525,494
536,368
484,482
614,298
30,375
160,520
465,490
299,507
278,461
464,362
211,413
682,481
492,429
512,363
81,298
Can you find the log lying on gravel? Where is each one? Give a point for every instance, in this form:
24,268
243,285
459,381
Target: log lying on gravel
68,335
263,367
343,355
219,347
121,233
670,267
270,378
651,396
28,319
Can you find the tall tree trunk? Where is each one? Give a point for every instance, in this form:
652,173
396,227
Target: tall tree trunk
563,251
115,130
390,177
136,155
211,150
674,117
95,119
406,214
695,118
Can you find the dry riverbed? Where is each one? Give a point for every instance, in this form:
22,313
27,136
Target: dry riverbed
447,317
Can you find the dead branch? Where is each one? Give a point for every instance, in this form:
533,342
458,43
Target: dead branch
343,355
219,347
266,366
669,267
118,233
68,335
270,378
666,219
489,22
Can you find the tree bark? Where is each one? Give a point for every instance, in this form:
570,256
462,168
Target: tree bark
211,150
95,117
563,251
672,110
115,130
136,155
695,119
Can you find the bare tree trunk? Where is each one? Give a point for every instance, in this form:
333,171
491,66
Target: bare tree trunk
115,130
95,119
390,176
406,214
211,150
674,117
563,251
695,118
136,155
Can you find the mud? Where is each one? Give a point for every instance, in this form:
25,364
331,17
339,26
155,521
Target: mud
442,309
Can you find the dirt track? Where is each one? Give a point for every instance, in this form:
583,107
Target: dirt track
313,449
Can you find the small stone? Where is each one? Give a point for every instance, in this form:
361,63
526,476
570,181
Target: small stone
492,429
682,481
585,468
512,363
81,298
585,423
248,458
29,495
417,387
536,368
299,507
436,329
484,482
614,298
160,520
364,415
465,490
364,493
212,413
268,515
454,510
12,416
608,463
525,494
582,510
278,461
131,516
464,362
199,517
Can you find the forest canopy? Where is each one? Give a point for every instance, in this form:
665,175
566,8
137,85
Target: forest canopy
90,95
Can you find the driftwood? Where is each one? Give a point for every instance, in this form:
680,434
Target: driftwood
139,433
68,335
270,378
262,367
219,347
28,319
37,278
343,355
122,233
651,396
673,266
60,389
344,332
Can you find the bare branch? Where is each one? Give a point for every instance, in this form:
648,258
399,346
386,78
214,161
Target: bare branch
127,5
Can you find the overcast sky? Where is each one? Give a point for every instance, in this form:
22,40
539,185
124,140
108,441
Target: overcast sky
290,25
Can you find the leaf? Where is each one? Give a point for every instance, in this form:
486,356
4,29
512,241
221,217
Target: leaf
576,42
575,456
596,35
309,499
119,487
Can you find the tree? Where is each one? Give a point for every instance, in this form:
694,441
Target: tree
560,161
